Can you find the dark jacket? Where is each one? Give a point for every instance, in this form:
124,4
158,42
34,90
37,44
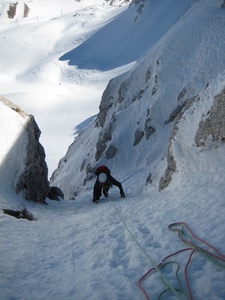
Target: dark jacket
98,187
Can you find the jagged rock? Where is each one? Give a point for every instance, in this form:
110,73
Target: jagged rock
212,129
20,214
34,179
30,175
138,96
149,129
100,148
12,10
104,137
106,103
171,162
111,2
171,168
181,108
26,10
83,165
182,94
149,179
175,113
55,193
140,4
148,75
138,136
111,152
13,7
122,91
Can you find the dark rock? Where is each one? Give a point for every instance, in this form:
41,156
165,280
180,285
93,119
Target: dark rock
111,152
34,179
55,193
30,175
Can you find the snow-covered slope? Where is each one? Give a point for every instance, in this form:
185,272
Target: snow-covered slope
137,107
128,36
44,10
162,120
31,75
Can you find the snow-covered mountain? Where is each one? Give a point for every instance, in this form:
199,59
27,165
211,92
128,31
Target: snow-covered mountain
22,9
145,114
140,26
36,80
160,128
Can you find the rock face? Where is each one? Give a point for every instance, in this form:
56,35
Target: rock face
211,131
25,158
159,118
34,179
13,10
175,116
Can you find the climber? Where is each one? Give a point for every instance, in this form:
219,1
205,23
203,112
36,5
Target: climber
104,182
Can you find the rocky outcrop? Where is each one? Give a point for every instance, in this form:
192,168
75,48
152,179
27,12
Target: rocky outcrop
13,9
25,161
34,179
211,130
55,193
175,116
106,103
209,134
112,2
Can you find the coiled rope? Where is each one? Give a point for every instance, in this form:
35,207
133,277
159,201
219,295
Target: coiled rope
218,258
187,236
215,258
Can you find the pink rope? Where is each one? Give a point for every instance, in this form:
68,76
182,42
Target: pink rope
219,256
153,269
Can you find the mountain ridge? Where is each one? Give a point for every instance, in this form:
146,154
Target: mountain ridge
107,49
142,94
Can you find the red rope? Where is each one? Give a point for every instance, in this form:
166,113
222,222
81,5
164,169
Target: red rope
219,255
197,238
159,266
193,248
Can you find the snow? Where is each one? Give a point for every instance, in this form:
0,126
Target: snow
132,40
13,143
80,250
59,96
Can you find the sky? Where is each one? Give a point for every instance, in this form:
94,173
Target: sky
78,250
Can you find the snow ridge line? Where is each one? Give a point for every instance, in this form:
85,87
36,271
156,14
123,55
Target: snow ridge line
166,282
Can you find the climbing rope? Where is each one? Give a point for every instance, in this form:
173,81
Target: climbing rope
163,278
162,265
217,258
187,236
